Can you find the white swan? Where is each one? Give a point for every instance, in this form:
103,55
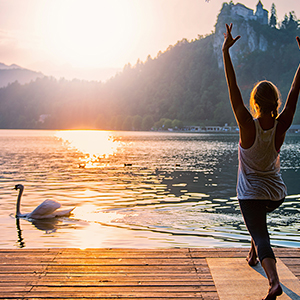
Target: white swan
46,210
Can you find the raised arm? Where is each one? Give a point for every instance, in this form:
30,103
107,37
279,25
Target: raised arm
285,119
241,113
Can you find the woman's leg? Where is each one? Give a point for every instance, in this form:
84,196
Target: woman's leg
255,217
269,265
254,214
252,255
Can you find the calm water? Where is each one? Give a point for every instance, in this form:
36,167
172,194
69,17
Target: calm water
134,189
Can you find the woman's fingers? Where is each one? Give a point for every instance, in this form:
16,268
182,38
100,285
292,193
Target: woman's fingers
238,37
228,28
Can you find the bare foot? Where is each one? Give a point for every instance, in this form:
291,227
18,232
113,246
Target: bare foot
273,292
252,258
252,255
252,261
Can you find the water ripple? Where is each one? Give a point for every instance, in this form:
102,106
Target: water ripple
134,189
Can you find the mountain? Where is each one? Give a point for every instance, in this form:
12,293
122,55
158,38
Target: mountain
5,67
12,73
184,85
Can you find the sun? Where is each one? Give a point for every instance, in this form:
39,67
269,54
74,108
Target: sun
89,33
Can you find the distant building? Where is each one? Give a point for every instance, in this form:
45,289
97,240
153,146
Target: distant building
261,14
193,128
225,128
242,11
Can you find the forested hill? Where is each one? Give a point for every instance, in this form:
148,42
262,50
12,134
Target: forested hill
185,85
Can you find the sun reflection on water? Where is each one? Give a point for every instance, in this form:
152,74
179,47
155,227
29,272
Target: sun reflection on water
96,227
94,144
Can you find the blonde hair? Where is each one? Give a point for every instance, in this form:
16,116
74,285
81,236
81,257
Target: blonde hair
265,99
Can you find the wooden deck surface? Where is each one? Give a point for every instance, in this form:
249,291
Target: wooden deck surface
118,273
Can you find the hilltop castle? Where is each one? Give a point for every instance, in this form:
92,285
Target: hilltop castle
261,14
252,40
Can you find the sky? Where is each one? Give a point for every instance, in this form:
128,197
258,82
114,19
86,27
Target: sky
94,39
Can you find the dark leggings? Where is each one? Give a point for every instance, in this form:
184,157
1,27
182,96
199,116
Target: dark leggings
255,216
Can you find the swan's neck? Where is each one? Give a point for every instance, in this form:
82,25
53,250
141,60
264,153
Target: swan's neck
18,212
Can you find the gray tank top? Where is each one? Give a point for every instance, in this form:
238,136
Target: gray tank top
259,168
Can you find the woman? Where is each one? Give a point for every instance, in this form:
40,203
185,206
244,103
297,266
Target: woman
260,188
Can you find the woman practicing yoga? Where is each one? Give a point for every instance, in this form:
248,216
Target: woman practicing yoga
260,188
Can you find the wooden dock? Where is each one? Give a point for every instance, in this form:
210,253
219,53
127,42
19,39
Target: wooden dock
182,273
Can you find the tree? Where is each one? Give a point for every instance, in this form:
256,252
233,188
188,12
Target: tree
147,123
159,124
177,124
273,17
137,122
285,22
167,124
127,124
290,22
293,22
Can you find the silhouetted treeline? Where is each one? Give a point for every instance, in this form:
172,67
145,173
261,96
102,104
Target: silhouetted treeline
182,86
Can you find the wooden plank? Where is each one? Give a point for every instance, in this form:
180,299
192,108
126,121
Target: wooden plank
166,274
114,295
110,289
12,295
120,261
118,273
113,269
126,277
129,254
15,288
112,283
130,297
240,279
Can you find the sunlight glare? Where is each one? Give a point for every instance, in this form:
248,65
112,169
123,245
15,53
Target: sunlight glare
95,144
80,33
92,214
97,221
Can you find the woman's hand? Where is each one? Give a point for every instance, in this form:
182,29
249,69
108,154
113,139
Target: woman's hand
229,40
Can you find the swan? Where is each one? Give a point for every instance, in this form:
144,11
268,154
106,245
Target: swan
46,210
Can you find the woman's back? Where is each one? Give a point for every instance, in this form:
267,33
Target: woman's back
259,167
248,133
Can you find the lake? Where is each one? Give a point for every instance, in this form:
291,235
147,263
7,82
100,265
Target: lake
134,190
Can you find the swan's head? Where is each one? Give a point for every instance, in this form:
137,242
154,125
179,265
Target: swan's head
19,187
